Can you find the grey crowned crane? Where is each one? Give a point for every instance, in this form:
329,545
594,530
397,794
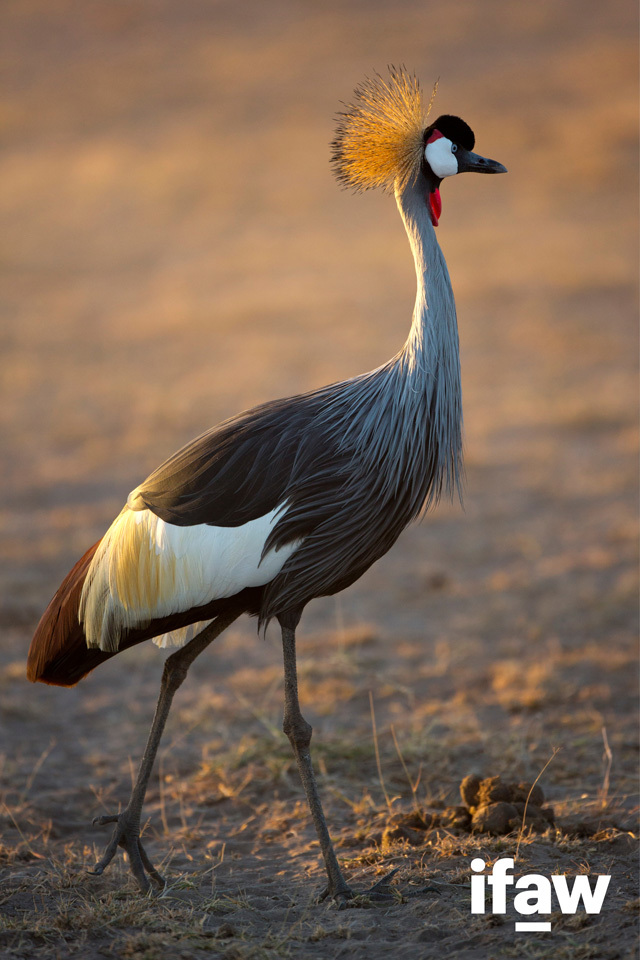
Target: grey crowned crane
291,500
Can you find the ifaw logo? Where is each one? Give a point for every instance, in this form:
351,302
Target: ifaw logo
535,894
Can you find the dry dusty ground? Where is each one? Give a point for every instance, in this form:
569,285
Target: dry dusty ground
175,249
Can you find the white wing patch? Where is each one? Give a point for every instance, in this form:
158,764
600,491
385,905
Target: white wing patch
145,568
178,638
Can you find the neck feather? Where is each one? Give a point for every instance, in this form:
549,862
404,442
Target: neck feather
430,359
404,420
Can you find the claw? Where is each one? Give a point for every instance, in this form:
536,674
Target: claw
381,890
344,899
127,837
103,820
341,896
157,878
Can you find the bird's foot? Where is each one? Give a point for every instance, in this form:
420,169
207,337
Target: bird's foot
380,892
341,894
127,835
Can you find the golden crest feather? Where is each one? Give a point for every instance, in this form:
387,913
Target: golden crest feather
378,140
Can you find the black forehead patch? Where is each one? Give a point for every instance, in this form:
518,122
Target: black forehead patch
454,129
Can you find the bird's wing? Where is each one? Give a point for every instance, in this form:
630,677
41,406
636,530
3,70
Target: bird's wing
236,472
214,520
322,512
271,499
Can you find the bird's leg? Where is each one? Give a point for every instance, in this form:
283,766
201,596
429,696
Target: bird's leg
299,733
127,823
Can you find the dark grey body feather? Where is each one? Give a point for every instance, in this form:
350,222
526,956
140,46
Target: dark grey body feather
354,462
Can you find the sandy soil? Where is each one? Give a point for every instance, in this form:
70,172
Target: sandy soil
174,249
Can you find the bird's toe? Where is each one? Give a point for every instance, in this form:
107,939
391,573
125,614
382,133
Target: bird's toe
127,836
341,895
382,891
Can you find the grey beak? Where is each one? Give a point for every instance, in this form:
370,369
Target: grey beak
473,163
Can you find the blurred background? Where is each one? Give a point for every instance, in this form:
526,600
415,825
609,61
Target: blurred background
174,249
174,246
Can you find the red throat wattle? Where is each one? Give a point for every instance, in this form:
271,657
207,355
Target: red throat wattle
435,206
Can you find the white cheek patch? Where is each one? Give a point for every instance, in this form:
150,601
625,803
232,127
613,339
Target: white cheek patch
442,161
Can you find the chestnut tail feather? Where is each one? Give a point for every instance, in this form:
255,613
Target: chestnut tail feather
58,653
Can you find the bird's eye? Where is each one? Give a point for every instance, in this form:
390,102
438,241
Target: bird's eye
454,147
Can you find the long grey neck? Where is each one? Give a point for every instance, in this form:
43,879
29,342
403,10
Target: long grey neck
434,330
430,358
403,421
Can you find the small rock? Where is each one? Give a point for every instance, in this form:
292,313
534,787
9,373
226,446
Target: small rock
469,790
494,818
455,817
402,832
419,820
493,790
549,814
407,826
520,792
533,812
534,819
415,820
